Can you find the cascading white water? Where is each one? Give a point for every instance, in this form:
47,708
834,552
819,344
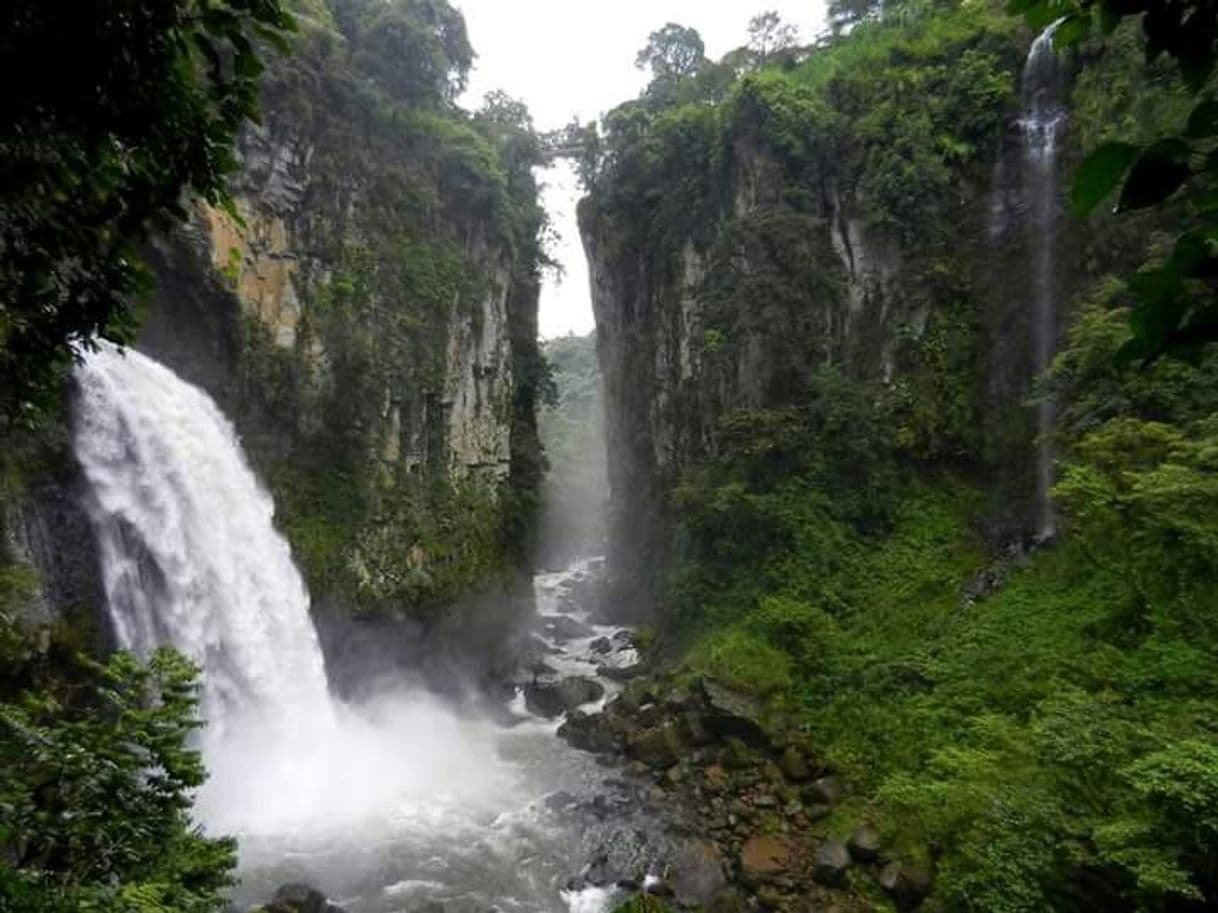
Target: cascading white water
390,802
189,554
1043,124
190,558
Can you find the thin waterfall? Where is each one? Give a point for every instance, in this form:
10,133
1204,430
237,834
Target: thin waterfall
189,554
1043,124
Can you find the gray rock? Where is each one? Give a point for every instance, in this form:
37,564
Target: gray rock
693,730
601,645
731,714
698,874
600,873
300,898
906,885
794,766
825,791
657,747
620,673
589,732
864,844
551,699
830,863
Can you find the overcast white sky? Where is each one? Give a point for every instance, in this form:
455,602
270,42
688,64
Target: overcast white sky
568,58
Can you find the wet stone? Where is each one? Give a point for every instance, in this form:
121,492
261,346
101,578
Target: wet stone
300,898
864,844
830,863
825,791
906,885
764,857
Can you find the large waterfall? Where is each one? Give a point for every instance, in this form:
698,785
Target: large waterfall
1043,124
383,804
188,550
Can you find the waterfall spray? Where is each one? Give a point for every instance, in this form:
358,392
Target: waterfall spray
189,554
190,558
1043,124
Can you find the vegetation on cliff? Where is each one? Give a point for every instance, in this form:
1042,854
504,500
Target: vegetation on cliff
418,213
1033,722
95,156
418,226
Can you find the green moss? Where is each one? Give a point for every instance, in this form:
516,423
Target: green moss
741,659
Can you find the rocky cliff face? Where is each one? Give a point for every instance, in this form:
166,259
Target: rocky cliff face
365,313
806,246
686,342
367,316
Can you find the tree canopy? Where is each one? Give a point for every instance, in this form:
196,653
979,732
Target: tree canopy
95,797
110,117
769,35
673,52
1177,299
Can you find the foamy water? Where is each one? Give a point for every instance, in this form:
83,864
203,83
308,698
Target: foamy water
384,804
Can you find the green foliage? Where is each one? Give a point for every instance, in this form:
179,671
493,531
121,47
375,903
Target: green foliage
95,797
1176,313
418,51
422,218
672,53
742,660
97,155
1041,725
893,111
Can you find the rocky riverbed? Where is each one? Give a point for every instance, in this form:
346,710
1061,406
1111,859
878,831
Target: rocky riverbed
678,790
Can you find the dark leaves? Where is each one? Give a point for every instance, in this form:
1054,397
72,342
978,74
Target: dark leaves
1158,173
96,154
1099,175
1203,122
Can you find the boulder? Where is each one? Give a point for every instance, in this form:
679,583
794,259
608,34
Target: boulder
551,699
657,747
601,645
588,732
906,885
697,877
794,766
864,844
730,714
300,898
825,791
830,863
564,627
763,858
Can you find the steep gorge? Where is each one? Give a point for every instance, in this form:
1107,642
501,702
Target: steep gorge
877,464
366,315
898,228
